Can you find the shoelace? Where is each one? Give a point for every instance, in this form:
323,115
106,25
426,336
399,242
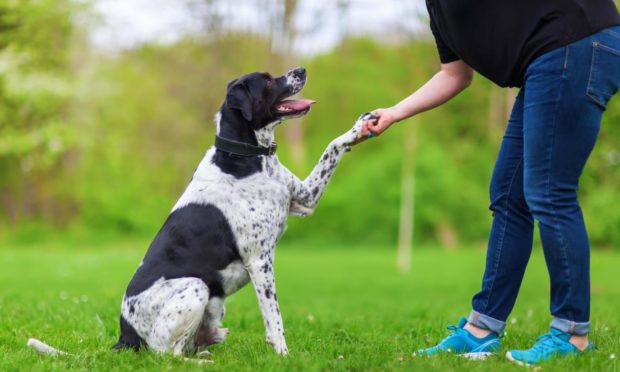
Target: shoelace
547,341
455,331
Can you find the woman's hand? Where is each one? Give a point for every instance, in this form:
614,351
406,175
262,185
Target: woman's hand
386,117
373,127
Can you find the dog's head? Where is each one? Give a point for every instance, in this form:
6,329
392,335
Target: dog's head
259,99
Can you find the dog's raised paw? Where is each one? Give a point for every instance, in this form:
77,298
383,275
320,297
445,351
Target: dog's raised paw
367,116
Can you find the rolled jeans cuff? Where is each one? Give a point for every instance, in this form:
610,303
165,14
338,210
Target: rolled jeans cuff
568,326
486,322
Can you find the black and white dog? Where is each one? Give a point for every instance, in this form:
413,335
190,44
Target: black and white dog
222,232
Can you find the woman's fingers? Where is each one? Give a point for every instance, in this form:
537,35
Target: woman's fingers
373,122
385,120
369,126
377,126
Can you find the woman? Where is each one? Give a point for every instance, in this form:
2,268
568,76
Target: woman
565,57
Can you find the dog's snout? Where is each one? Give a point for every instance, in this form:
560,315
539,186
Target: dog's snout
300,71
296,79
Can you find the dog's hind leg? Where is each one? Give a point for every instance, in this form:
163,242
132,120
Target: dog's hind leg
210,332
180,316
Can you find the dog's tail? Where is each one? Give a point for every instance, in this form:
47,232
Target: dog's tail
123,344
129,338
43,348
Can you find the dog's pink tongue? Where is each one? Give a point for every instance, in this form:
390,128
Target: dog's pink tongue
296,104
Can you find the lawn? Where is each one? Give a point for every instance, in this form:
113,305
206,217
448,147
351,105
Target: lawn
344,309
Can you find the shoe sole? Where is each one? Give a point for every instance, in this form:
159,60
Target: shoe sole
523,364
470,356
477,356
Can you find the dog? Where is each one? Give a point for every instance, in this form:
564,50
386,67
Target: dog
222,232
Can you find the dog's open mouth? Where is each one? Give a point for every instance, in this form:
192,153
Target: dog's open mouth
293,106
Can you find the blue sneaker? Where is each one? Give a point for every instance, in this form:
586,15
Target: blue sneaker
461,342
553,344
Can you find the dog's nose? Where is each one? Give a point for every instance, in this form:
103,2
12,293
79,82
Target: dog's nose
300,71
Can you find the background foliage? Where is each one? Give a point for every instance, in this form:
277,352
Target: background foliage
96,146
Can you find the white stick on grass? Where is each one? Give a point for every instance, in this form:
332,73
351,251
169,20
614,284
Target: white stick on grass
44,348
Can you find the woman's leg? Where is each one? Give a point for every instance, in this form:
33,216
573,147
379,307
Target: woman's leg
510,240
510,244
561,124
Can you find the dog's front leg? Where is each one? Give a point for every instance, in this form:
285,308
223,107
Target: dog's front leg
306,194
263,280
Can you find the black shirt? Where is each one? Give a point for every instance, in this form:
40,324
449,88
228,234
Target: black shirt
499,38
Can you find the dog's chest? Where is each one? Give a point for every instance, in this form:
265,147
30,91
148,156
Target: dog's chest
256,207
258,211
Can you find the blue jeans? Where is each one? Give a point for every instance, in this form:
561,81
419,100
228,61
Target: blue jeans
552,130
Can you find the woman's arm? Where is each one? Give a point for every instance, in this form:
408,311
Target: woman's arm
447,83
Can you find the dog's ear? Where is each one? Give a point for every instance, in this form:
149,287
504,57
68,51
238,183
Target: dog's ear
238,98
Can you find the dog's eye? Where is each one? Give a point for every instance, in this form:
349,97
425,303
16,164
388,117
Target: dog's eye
269,83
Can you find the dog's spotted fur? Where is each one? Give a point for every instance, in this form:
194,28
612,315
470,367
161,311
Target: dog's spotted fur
223,230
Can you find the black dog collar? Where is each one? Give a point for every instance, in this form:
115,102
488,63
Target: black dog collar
242,148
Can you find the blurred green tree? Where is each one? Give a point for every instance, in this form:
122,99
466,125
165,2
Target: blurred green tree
105,143
35,94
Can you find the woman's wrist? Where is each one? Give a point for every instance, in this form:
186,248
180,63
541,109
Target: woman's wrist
398,114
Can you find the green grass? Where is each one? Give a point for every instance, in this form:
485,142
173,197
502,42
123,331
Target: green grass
344,309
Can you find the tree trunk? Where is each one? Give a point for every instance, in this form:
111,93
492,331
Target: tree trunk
500,107
293,130
407,200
